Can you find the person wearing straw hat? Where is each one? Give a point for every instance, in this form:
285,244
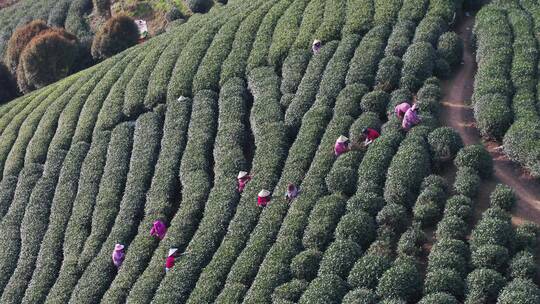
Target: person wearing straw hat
118,255
401,109
263,198
292,192
171,256
158,229
370,135
243,179
411,118
342,145
316,46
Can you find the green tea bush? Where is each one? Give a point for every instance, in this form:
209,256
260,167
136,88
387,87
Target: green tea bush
467,182
386,12
232,293
434,181
369,52
444,281
526,236
311,20
458,247
418,64
366,120
368,202
357,226
450,48
447,260
402,281
429,97
520,145
291,291
359,17
387,78
490,256
451,227
493,115
411,241
325,289
459,206
348,100
494,232
444,143
439,298
118,34
322,221
429,204
375,101
292,70
413,10
342,177
476,157
305,265
339,258
367,271
400,39
523,266
519,291
430,29
393,216
333,20
360,296
199,6
503,196
484,285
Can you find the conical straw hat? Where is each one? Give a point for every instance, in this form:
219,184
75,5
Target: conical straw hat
264,193
172,251
342,139
316,41
118,247
242,174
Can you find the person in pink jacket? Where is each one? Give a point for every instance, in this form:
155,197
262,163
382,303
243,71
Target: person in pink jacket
316,46
158,229
243,178
342,145
411,118
118,255
401,109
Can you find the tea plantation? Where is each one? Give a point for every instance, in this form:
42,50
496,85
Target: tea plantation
161,130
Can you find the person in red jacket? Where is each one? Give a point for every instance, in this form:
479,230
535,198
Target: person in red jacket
370,135
169,263
243,178
263,198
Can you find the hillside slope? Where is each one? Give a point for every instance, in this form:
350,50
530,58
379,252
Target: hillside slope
161,130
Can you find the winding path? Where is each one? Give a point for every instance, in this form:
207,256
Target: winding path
457,114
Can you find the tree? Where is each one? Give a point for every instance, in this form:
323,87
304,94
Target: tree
18,41
102,8
116,35
8,86
48,57
200,6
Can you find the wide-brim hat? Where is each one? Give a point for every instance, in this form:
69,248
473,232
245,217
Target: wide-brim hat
118,247
182,98
316,41
342,139
172,251
242,174
264,193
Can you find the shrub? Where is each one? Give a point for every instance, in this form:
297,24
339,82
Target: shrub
366,120
411,242
521,145
503,196
367,271
393,216
523,266
460,206
102,7
305,265
322,221
400,38
357,226
458,247
60,50
442,69
232,293
526,236
344,166
444,281
430,29
492,231
490,256
484,285
476,157
447,260
8,86
493,115
348,100
451,227
19,40
291,291
418,64
444,143
427,213
450,48
339,258
199,6
387,78
366,201
376,102
467,182
360,296
116,35
325,289
435,181
520,291
401,281
438,298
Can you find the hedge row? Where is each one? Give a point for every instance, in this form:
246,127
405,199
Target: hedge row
430,202
333,21
50,252
98,275
270,140
33,225
223,197
79,223
386,12
413,10
11,222
285,33
292,72
161,198
311,20
332,80
401,281
418,65
400,38
369,52
322,222
359,17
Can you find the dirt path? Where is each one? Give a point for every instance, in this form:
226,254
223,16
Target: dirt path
458,115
